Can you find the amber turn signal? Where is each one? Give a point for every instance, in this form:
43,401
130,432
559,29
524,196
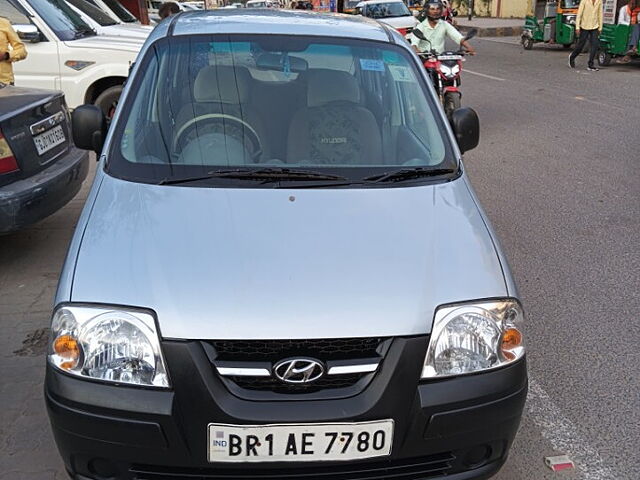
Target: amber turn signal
67,347
512,338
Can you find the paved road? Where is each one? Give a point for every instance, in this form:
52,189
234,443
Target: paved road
557,173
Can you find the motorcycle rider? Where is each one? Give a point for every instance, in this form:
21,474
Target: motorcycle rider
435,30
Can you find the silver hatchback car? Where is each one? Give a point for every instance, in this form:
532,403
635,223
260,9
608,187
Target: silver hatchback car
282,270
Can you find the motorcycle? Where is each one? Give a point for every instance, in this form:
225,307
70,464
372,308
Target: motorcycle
445,69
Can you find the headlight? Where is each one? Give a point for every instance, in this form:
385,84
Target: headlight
450,71
107,344
473,337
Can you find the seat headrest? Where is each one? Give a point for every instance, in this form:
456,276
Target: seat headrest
326,86
222,84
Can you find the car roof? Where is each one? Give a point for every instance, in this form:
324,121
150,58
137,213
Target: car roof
283,22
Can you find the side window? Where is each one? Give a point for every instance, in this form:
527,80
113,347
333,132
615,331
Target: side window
414,116
15,16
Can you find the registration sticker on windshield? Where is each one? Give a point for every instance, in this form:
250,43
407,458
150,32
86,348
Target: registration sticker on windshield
401,74
372,65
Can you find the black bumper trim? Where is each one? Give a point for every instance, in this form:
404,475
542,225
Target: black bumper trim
450,412
104,428
31,199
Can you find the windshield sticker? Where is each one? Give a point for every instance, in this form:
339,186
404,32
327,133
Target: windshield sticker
372,65
401,74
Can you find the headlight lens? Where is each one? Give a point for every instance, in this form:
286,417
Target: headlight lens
450,71
474,337
107,344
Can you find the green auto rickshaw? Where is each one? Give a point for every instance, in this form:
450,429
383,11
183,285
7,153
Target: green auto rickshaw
614,39
556,25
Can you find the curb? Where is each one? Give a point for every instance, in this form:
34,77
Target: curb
493,31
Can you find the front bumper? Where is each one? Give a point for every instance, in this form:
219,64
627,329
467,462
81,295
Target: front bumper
29,200
458,428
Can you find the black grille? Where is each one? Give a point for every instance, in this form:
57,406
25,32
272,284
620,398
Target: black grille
274,385
266,353
274,350
408,469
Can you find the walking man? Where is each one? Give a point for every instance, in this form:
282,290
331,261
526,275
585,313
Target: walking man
588,27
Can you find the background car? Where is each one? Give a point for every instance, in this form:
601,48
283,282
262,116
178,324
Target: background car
40,169
65,53
116,10
394,13
104,24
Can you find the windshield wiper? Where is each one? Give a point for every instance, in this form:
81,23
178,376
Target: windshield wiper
83,33
408,173
262,174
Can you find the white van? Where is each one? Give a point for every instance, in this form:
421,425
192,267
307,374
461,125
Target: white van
64,53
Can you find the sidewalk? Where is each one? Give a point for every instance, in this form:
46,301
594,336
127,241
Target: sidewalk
492,27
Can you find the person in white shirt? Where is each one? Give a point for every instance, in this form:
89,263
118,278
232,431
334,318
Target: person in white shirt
436,31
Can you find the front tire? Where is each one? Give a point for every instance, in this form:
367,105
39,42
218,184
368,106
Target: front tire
451,102
527,43
604,58
108,100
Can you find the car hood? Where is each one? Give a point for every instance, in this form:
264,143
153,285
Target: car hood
108,42
408,21
217,263
123,30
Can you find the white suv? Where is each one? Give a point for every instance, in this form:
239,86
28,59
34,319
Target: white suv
64,53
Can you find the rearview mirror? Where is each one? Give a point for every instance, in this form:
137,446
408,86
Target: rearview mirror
471,33
466,126
281,63
89,128
418,34
28,33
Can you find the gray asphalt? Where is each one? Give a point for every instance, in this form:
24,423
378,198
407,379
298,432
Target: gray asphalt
557,173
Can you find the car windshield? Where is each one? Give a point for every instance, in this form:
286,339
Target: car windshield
60,17
94,13
122,13
204,103
570,3
386,10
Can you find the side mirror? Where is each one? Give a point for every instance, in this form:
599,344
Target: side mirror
28,33
471,33
454,13
466,126
89,128
418,34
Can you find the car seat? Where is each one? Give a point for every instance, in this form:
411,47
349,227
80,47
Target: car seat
333,128
223,92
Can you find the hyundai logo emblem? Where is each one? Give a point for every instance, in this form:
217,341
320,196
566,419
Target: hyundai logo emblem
298,370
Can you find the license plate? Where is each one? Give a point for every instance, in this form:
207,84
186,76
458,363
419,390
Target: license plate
299,443
49,139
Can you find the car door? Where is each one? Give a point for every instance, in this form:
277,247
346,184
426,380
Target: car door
41,68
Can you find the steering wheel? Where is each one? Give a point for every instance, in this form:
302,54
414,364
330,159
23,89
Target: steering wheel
227,123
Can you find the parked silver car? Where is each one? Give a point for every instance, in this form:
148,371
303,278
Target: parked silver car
282,270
